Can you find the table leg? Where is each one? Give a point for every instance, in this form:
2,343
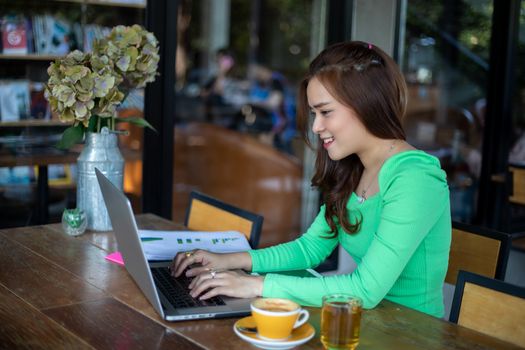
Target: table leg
42,205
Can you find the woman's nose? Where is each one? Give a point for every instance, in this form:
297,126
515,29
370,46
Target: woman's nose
317,125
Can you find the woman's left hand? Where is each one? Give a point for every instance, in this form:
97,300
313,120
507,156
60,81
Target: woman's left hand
229,283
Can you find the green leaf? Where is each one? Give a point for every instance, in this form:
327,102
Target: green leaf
137,121
92,123
72,135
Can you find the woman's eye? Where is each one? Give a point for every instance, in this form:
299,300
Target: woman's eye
325,113
312,114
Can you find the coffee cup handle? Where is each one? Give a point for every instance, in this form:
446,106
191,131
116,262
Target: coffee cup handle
303,317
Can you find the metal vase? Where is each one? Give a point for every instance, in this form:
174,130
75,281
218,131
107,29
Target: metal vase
100,151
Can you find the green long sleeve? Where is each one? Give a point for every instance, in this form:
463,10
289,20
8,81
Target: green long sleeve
401,250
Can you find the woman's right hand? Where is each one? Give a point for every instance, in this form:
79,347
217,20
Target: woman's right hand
208,261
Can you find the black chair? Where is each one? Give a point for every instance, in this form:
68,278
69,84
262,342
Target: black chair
489,306
206,213
479,250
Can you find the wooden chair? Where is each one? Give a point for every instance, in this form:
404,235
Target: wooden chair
518,185
479,250
206,213
513,214
489,306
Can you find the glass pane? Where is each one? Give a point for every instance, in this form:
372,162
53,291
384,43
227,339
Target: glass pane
238,66
445,62
517,153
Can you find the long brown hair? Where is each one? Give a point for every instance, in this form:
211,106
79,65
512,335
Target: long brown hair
362,77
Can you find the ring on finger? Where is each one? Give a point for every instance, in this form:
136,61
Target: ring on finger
213,273
188,254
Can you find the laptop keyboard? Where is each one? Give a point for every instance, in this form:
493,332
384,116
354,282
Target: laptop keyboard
176,289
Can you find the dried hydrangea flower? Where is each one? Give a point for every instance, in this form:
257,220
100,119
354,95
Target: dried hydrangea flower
83,85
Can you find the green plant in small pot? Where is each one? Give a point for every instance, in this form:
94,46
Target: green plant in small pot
86,88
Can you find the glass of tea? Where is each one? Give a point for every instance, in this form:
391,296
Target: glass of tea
341,321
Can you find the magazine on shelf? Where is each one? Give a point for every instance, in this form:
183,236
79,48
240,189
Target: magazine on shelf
14,100
131,2
14,35
39,106
52,35
16,175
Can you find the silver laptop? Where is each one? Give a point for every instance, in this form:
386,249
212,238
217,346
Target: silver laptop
168,295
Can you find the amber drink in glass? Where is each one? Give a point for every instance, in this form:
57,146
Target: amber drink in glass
341,321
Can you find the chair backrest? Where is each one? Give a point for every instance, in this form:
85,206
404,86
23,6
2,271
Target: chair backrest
479,250
518,185
489,306
206,213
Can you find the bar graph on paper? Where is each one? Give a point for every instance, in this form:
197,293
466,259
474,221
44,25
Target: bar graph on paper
188,241
223,240
166,244
214,241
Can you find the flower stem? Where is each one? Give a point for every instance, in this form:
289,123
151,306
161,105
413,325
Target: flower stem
98,124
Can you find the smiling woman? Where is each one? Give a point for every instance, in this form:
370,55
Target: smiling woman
358,103
399,239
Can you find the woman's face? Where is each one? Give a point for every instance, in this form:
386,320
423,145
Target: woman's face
340,130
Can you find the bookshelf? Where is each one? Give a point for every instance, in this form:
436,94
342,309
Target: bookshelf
28,57
34,122
27,140
132,4
50,30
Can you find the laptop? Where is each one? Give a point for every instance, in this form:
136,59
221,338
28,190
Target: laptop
168,295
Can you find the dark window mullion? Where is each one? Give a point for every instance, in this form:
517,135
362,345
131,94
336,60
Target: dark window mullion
159,110
493,205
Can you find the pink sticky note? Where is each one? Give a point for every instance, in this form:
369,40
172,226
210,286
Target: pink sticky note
116,258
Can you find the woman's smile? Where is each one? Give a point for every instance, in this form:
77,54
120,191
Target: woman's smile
327,142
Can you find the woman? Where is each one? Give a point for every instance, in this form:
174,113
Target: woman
385,202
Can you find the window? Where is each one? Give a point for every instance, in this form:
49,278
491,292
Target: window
238,66
445,62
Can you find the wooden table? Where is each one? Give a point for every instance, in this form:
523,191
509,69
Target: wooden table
59,292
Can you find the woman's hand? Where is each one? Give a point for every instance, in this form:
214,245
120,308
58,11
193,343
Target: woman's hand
208,261
229,283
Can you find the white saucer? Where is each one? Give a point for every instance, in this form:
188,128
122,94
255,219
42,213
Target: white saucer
299,336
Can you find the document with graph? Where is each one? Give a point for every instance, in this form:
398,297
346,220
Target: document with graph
164,245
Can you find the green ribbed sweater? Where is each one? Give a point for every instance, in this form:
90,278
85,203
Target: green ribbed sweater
401,250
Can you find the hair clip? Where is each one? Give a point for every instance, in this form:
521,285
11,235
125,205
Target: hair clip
370,46
375,61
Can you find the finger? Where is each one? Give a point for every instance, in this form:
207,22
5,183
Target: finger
204,285
201,277
213,292
174,264
198,270
195,282
177,259
184,263
178,268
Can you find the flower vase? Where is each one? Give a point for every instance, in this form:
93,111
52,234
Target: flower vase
100,151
